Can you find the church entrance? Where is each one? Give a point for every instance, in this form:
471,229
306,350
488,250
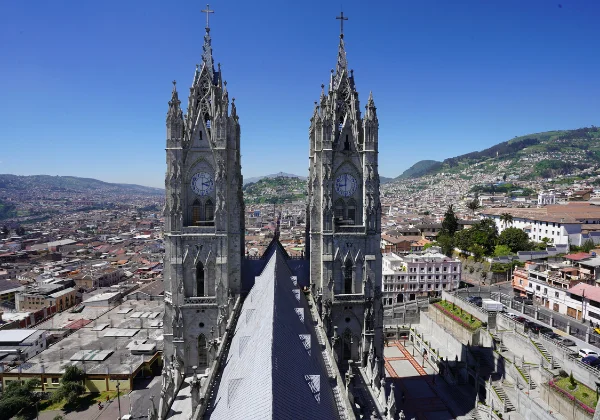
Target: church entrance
202,352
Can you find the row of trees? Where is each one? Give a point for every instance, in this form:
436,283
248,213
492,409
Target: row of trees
482,239
20,400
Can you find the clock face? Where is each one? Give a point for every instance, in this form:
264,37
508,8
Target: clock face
345,185
202,183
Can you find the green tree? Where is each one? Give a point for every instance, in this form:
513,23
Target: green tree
474,205
477,250
18,398
485,234
515,239
450,222
20,231
588,245
71,385
5,230
446,243
502,251
506,219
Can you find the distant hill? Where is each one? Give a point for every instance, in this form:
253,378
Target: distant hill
385,179
420,168
278,174
540,155
275,190
71,183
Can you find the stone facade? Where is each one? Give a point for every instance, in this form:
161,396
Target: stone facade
204,216
344,228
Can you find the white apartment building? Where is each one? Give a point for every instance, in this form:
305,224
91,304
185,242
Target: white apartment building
561,223
408,277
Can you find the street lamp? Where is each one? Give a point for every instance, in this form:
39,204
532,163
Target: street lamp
119,398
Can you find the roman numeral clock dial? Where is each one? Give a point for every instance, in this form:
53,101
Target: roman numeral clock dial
345,185
202,183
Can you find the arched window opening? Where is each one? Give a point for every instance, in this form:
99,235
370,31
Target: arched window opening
347,143
340,210
202,351
348,277
352,211
196,218
209,210
400,298
200,135
200,279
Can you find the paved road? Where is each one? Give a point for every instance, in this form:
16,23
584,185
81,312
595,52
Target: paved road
560,322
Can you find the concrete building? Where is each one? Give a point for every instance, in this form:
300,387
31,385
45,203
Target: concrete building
41,296
20,345
562,224
409,277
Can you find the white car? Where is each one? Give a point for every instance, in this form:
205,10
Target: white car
587,352
511,315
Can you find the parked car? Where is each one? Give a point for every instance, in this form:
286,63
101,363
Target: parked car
475,300
587,352
546,330
523,300
521,319
591,360
553,336
568,342
597,330
511,315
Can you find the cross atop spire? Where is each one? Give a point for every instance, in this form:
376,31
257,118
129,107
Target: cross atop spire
208,12
341,18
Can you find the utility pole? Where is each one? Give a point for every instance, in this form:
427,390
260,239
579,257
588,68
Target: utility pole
119,398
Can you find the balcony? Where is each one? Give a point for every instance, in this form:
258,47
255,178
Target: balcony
198,301
198,229
355,297
168,297
347,226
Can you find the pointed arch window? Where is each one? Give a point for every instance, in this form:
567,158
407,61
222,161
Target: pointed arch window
340,210
352,211
196,211
200,134
348,270
347,143
200,279
209,210
202,352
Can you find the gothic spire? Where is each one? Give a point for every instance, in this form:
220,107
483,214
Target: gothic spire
207,58
371,108
174,112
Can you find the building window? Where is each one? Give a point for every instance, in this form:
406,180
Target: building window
196,213
352,211
200,279
555,294
209,210
339,210
348,277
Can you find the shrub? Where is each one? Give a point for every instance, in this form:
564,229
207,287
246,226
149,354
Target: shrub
572,380
562,373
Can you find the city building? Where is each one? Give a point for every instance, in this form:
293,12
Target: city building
20,345
406,278
561,223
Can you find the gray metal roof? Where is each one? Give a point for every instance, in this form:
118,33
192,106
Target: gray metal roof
274,368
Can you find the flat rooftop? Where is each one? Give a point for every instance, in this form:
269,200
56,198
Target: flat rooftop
108,349
14,336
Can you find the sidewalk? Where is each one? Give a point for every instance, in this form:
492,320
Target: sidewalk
109,411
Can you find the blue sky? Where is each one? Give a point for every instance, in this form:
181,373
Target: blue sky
84,85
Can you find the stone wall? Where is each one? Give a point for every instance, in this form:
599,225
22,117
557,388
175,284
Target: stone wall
569,409
438,322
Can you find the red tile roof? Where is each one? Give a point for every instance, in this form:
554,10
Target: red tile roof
578,256
591,292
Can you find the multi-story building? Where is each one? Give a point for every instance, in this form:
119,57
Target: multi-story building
412,276
46,296
562,224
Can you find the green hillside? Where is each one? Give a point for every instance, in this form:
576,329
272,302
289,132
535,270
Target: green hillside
540,155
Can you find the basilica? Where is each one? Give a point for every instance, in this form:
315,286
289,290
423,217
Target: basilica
273,337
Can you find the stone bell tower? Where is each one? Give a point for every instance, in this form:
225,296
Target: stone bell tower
204,217
344,229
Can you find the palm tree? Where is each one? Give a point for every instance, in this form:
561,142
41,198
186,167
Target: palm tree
506,219
474,205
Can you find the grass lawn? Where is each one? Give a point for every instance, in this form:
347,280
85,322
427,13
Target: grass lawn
581,392
463,318
83,402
